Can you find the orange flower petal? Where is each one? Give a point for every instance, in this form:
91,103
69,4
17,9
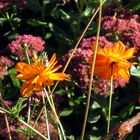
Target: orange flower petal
25,76
19,66
124,74
119,48
112,61
26,89
38,75
128,53
58,76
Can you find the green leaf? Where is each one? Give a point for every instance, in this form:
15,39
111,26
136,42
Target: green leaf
61,36
94,112
94,116
34,5
66,112
36,23
94,138
25,131
71,137
15,81
127,111
134,5
18,107
2,21
135,71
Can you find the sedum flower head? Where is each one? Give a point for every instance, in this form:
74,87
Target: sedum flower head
5,63
112,61
38,75
122,24
31,43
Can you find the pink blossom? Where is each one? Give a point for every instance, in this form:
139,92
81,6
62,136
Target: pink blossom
5,63
124,24
34,44
4,6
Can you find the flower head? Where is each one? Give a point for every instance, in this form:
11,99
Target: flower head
38,75
122,24
112,61
34,44
4,6
5,63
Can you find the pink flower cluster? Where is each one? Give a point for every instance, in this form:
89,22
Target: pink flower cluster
5,62
79,67
6,4
33,44
125,24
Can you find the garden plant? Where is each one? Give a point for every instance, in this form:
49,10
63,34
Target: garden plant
70,70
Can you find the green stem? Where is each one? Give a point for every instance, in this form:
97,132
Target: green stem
34,130
29,100
4,110
27,56
55,113
110,103
7,125
35,122
92,73
6,119
29,110
77,44
61,127
27,125
47,123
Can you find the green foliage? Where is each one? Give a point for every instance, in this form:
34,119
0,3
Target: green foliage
61,25
25,131
134,5
34,5
16,109
16,82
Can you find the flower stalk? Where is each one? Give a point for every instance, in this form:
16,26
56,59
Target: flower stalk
50,100
92,73
26,124
110,103
47,123
78,42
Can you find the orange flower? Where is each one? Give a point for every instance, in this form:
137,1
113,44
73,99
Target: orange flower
37,75
112,61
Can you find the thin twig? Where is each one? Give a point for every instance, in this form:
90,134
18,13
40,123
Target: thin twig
127,126
34,130
92,73
7,125
122,129
6,120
